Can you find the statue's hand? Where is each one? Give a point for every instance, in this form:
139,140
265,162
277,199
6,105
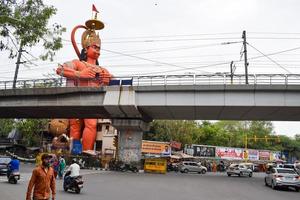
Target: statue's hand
88,72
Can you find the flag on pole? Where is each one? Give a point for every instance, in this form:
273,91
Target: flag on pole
95,9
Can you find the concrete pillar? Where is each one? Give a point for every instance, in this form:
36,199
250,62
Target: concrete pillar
130,139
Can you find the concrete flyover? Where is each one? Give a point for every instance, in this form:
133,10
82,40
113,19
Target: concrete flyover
192,102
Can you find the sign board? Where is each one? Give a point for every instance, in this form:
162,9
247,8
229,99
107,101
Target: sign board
264,155
175,145
253,154
204,151
155,165
229,153
153,147
275,155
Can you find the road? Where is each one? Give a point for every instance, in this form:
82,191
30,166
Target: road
141,186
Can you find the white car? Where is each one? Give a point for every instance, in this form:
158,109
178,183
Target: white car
239,170
282,177
188,166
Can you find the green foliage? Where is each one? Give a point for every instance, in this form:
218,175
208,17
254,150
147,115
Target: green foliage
31,130
167,130
6,125
27,22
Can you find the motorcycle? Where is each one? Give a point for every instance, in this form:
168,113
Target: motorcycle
172,167
13,177
127,167
72,183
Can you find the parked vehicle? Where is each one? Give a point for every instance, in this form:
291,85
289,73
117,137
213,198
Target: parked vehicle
127,167
188,166
123,167
172,167
72,183
282,177
239,170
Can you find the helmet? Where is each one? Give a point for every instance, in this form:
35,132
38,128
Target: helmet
74,160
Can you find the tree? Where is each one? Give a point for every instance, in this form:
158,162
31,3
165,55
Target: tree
31,130
6,125
24,23
177,130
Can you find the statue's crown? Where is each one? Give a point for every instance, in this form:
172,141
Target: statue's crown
89,37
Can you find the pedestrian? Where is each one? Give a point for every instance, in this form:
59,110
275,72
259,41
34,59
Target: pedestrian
42,180
55,166
214,167
62,166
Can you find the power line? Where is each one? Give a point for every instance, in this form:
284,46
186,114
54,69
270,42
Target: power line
270,58
162,36
164,63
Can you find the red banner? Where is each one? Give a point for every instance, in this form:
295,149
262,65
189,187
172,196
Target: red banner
175,145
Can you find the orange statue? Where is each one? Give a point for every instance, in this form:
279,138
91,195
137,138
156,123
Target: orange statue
86,72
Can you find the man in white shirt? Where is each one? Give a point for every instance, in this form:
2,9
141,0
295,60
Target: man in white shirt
72,172
74,168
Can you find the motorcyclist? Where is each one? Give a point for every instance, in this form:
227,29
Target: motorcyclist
72,172
13,165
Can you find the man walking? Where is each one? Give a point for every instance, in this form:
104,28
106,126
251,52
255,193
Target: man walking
42,180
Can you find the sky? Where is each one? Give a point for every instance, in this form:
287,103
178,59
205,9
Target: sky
154,37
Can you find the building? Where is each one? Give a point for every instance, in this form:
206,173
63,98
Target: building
105,139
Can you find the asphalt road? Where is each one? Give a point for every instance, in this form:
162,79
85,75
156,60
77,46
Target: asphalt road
141,186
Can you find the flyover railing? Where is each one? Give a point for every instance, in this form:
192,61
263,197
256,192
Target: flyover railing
156,80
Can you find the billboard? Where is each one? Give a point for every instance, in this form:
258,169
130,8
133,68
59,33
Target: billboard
204,151
175,145
275,155
229,153
253,154
153,147
264,155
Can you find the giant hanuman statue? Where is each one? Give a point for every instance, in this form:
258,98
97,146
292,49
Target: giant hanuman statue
86,72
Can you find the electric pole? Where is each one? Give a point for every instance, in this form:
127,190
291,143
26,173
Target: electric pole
231,72
245,56
17,65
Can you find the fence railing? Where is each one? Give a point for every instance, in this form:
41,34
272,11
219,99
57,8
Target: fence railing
156,80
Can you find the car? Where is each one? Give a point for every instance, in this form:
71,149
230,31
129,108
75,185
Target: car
291,166
239,170
188,166
4,160
282,177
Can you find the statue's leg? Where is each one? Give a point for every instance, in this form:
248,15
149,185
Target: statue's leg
75,128
89,134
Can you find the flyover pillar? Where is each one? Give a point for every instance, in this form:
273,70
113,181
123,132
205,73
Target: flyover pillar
130,139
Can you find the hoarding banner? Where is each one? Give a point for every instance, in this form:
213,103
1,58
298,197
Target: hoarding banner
253,154
275,155
175,145
204,151
264,155
229,153
153,147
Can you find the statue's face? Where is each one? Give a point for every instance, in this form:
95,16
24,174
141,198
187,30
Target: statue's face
93,51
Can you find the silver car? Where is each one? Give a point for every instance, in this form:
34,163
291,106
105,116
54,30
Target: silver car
282,177
188,166
239,170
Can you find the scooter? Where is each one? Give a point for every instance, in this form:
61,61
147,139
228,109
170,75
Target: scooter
13,177
72,183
